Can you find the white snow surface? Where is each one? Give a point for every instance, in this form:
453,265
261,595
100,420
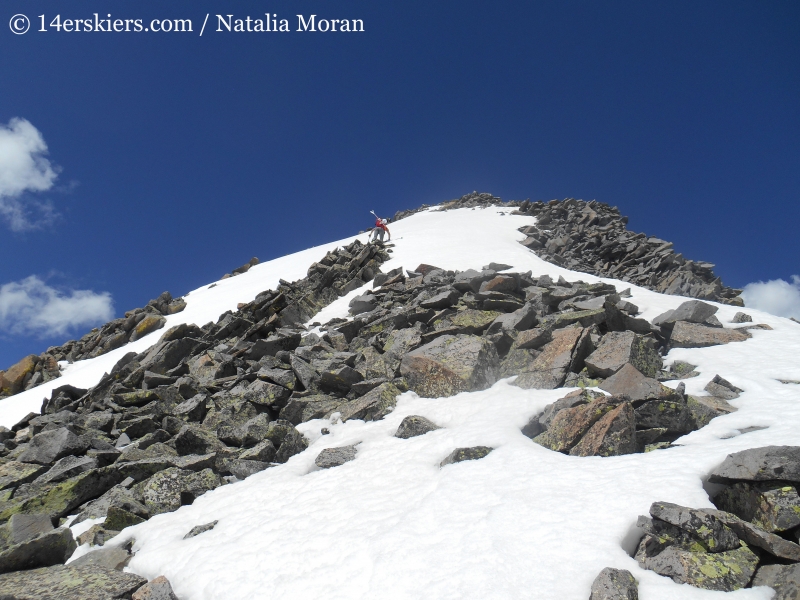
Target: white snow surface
523,522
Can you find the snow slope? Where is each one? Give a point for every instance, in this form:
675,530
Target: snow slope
523,522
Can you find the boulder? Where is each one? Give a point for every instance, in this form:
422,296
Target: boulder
148,325
691,311
362,304
413,426
723,571
171,488
67,467
571,424
462,454
614,584
198,529
784,579
49,446
451,364
316,406
157,589
628,381
693,335
713,532
372,406
619,348
14,473
196,439
12,380
334,457
52,547
756,537
722,388
767,463
565,353
114,558
772,506
613,434
87,583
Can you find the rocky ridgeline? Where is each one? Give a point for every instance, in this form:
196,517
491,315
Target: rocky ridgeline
34,370
591,237
198,409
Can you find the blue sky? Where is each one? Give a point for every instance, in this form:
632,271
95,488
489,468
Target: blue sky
174,158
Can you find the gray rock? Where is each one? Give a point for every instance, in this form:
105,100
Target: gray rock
114,558
158,589
569,425
242,468
715,535
171,488
705,408
334,457
362,304
628,381
693,335
413,426
784,579
722,388
723,571
565,353
45,549
757,537
614,434
198,529
372,406
14,473
771,506
692,311
672,414
49,446
68,582
614,584
622,347
767,463
196,439
451,364
533,339
462,454
441,300
741,317
264,393
317,406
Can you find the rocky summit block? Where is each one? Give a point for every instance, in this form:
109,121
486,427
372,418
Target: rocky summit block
451,364
335,457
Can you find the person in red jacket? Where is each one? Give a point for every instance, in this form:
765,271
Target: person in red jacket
380,228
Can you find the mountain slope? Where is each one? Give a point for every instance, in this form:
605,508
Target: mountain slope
522,522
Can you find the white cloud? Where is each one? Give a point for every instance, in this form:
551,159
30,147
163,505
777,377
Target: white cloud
31,306
24,168
777,297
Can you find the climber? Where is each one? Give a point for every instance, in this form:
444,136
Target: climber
380,228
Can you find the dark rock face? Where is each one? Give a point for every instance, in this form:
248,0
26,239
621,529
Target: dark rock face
760,464
614,584
87,583
591,237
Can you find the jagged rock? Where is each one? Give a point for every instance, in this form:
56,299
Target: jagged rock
691,311
286,439
43,550
569,425
242,468
713,532
462,454
96,535
157,589
196,439
723,571
441,300
11,380
198,529
705,408
413,426
566,352
317,406
624,347
334,457
68,582
362,304
118,519
741,317
451,364
672,414
628,381
114,558
693,335
767,463
722,388
67,467
146,326
372,406
120,497
171,488
784,579
14,473
773,506
614,584
613,434
572,399
49,446
757,537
